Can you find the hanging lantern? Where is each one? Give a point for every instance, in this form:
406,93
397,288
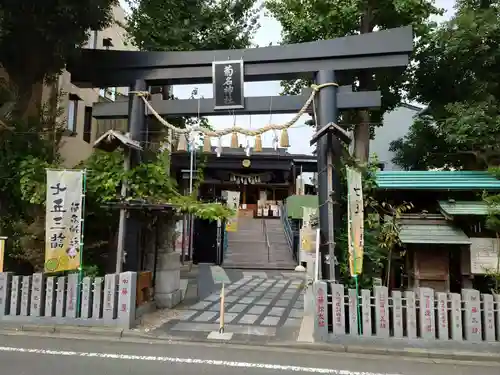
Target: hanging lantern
284,141
207,144
182,145
258,143
234,140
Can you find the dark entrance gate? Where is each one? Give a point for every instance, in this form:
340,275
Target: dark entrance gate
323,62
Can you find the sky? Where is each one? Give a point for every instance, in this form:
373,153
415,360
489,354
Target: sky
269,33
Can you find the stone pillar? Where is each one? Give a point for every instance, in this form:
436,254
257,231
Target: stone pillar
97,298
411,315
321,311
126,299
353,312
397,313
472,315
15,296
5,283
167,291
50,296
427,314
366,308
381,311
26,295
86,305
110,298
37,295
338,307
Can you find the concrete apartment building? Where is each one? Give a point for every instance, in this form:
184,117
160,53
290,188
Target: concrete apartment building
77,103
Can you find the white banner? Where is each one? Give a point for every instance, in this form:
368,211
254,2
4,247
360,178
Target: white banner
63,220
233,202
355,226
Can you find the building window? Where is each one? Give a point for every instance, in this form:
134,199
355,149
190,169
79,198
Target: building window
72,113
87,124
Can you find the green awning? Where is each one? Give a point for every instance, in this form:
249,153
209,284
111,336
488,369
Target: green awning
437,180
425,232
459,208
294,204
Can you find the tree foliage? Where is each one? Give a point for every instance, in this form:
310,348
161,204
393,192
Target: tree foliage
37,37
305,21
28,146
458,75
185,25
381,229
493,224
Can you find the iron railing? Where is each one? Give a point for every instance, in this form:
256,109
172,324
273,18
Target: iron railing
291,236
268,245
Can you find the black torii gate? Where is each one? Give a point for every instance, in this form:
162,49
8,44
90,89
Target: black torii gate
321,61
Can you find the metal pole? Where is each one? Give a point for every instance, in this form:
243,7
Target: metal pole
82,230
327,112
127,251
192,151
120,248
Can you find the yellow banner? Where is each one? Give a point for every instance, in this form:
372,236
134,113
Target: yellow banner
307,245
232,223
2,253
355,226
63,220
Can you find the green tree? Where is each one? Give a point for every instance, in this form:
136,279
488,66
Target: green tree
185,25
459,77
37,38
28,146
493,224
305,21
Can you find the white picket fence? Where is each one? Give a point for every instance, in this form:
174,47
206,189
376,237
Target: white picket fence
423,314
36,299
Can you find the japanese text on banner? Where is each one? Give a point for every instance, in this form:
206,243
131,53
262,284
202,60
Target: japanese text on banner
63,220
355,229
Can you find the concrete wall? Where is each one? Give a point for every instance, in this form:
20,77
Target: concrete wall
395,125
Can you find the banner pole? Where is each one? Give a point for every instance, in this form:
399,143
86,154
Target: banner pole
82,227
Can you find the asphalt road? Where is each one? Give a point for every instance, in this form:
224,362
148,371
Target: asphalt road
23,355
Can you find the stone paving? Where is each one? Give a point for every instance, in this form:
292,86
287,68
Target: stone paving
253,306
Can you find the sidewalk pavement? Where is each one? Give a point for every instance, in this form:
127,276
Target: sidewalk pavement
480,352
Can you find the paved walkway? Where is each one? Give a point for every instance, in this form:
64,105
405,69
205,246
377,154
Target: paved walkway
259,304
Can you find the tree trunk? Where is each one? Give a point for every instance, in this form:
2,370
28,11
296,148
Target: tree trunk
362,130
28,93
389,265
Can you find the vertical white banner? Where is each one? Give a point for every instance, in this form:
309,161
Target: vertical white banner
63,219
355,222
233,202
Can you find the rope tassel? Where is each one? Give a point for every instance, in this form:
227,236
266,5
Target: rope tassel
234,140
284,141
182,145
207,144
258,143
234,130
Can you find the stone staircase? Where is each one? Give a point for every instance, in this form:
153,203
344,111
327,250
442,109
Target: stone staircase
247,247
280,250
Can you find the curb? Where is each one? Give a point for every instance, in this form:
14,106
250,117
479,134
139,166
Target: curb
135,336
